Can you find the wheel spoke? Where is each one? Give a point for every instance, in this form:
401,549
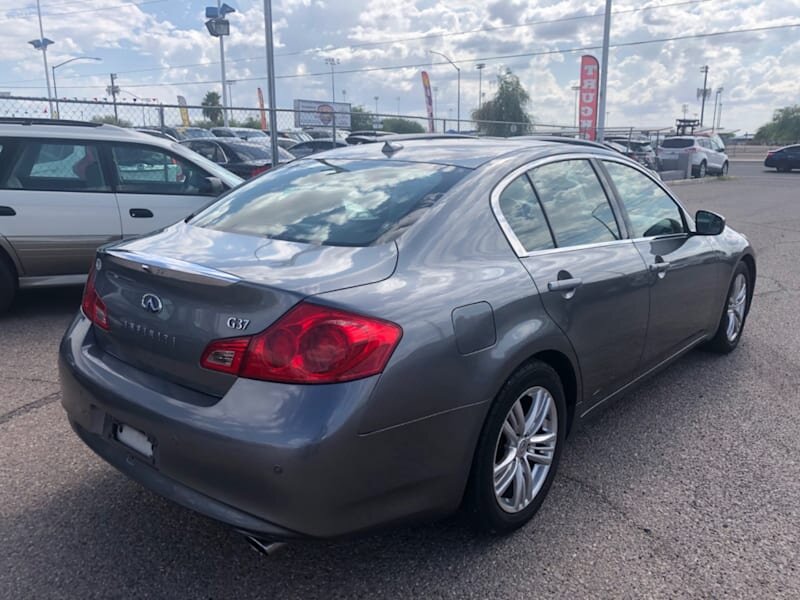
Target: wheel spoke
518,416
527,478
508,431
539,411
518,496
504,473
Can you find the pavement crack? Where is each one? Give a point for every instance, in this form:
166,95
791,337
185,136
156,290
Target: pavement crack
30,379
30,406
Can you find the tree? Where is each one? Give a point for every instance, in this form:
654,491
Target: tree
361,119
508,106
111,120
784,127
397,125
211,108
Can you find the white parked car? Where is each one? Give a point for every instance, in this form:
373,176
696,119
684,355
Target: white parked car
68,187
705,154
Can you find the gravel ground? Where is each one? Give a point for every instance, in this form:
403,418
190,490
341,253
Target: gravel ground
688,487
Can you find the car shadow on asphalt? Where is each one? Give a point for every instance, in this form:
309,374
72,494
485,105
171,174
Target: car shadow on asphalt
51,302
108,531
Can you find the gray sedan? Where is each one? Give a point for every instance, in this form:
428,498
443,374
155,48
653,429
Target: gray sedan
392,331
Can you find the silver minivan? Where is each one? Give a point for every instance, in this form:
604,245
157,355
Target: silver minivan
68,187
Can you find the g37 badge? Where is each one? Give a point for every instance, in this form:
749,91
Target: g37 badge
237,323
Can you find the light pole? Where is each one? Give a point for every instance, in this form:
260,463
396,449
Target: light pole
480,67
270,47
231,83
332,62
601,125
219,26
576,89
41,44
344,95
61,64
717,98
704,93
458,89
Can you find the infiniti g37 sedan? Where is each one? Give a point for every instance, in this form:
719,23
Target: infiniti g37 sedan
392,331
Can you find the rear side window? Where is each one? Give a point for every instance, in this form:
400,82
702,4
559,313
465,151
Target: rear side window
151,170
524,215
333,202
651,211
57,166
677,143
575,203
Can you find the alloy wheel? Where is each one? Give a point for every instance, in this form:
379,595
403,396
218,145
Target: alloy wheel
737,303
525,449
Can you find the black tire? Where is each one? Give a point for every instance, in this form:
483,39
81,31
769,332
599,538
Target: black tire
482,504
721,342
8,284
702,170
724,170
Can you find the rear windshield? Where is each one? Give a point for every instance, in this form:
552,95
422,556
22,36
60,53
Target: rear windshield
332,202
677,143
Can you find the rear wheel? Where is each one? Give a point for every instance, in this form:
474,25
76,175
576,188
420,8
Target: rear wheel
8,284
724,170
518,451
702,170
731,325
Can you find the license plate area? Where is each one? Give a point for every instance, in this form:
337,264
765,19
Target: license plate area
133,439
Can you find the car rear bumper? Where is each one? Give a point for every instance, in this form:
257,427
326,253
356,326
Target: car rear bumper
274,460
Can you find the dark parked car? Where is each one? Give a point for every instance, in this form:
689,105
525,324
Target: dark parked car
640,150
784,159
245,159
388,331
304,149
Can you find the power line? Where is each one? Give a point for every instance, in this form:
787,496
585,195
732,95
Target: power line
30,10
389,42
472,60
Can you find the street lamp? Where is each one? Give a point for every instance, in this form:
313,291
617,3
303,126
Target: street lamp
270,51
458,91
332,62
41,44
219,26
717,101
61,64
480,67
576,89
231,83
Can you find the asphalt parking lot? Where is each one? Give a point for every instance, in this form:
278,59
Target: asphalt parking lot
689,487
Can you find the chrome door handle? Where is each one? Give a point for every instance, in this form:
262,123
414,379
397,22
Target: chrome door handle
564,285
659,267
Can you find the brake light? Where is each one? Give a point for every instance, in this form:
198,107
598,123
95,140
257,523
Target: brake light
91,304
693,149
259,170
770,153
309,344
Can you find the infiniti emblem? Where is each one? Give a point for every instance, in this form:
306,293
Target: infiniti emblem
152,303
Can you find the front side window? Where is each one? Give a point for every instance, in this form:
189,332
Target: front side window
575,203
151,170
332,202
651,211
524,215
57,166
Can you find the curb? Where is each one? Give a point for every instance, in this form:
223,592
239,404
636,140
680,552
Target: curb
704,180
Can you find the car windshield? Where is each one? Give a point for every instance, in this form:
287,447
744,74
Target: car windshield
333,202
677,143
196,132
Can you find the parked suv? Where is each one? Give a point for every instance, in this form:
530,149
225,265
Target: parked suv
705,154
639,149
68,187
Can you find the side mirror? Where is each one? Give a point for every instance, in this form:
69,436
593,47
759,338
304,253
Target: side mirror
708,223
212,186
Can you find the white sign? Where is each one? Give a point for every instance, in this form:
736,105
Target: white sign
312,113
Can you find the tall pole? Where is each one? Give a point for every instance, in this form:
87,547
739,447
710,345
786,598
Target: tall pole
458,89
273,120
44,57
480,67
714,117
703,94
113,90
230,91
332,62
719,114
225,120
61,64
576,89
601,117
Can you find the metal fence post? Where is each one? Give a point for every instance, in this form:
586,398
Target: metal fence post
161,117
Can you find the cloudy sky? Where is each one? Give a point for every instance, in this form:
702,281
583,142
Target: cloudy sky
160,48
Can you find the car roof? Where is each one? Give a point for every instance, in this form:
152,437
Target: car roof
458,152
69,129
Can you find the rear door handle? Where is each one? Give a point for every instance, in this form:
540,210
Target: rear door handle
659,267
141,213
7,211
564,285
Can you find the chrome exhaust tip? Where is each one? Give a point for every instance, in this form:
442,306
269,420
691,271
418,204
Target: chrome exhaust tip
264,548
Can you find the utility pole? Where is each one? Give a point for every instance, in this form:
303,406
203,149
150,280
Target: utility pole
480,67
113,89
601,125
273,118
230,91
332,62
719,114
225,120
41,44
704,93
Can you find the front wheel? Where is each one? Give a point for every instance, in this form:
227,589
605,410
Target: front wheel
737,301
519,449
724,170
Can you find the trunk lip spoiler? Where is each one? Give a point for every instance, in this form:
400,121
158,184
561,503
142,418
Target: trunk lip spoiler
170,267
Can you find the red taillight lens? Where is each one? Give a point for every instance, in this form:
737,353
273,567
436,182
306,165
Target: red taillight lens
309,344
770,153
92,306
259,170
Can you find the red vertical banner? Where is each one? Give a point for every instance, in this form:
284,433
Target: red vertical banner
261,108
587,107
426,86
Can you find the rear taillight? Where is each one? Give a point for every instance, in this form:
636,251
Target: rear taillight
693,149
770,153
309,344
91,304
259,170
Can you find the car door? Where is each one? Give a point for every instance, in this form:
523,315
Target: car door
155,187
592,281
793,153
56,205
685,270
